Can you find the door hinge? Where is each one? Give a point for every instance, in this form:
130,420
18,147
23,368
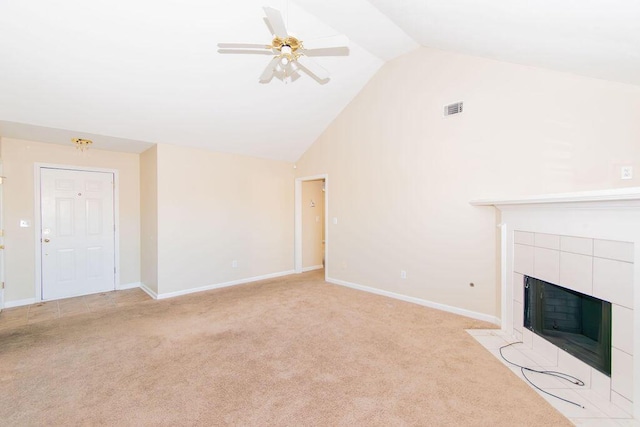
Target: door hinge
1,233
2,285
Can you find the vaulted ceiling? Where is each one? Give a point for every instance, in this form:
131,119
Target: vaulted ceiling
130,73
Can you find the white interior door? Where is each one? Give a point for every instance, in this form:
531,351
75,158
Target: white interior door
78,233
1,244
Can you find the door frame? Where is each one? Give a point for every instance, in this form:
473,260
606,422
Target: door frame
2,266
37,219
297,247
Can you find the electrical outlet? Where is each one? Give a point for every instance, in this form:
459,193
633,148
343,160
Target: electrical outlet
626,172
403,274
234,263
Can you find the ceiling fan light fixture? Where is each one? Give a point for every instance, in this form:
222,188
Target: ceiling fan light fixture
288,50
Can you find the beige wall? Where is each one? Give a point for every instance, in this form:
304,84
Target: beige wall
214,208
402,175
18,159
312,224
149,218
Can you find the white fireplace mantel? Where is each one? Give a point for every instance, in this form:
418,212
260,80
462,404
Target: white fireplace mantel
602,215
611,195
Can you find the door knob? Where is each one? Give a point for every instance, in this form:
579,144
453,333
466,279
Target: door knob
47,240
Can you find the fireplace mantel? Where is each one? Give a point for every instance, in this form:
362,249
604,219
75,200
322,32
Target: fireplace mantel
612,195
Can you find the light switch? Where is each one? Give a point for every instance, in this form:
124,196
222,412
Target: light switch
25,223
335,220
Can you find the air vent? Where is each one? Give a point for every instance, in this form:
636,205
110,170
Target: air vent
453,109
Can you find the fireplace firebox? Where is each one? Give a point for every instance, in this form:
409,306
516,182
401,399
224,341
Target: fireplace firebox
577,323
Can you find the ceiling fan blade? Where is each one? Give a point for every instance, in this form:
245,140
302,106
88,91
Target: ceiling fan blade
329,51
327,42
277,23
267,74
313,68
245,51
243,46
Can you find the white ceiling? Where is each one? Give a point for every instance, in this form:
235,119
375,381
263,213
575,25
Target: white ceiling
128,73
595,38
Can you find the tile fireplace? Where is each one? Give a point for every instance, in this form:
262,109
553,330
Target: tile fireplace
587,244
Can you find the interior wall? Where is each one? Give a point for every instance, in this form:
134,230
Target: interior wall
312,224
19,158
217,208
402,174
149,218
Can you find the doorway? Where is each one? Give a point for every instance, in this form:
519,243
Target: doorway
311,232
77,239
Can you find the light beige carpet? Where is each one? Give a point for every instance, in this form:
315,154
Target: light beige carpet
289,351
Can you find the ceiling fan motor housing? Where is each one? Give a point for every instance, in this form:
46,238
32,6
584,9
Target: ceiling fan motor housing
290,41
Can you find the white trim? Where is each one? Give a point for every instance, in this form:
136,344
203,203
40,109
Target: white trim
313,267
419,301
19,302
297,245
37,220
132,285
151,293
217,285
504,295
610,195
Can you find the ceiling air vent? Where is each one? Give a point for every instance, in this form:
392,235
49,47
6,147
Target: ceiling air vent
453,109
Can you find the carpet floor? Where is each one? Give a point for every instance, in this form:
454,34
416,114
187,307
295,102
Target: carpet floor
286,351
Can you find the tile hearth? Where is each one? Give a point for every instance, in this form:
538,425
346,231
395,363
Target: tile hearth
597,411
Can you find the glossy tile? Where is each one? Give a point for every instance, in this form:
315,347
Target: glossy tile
613,281
621,251
523,238
576,272
622,373
546,265
523,259
549,241
518,287
622,328
576,245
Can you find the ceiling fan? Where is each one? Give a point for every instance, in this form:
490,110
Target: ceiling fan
290,55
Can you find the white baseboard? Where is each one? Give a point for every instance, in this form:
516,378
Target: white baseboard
220,285
19,303
313,267
151,293
419,301
132,285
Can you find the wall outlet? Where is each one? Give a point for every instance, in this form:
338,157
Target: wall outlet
234,263
24,223
626,172
403,274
